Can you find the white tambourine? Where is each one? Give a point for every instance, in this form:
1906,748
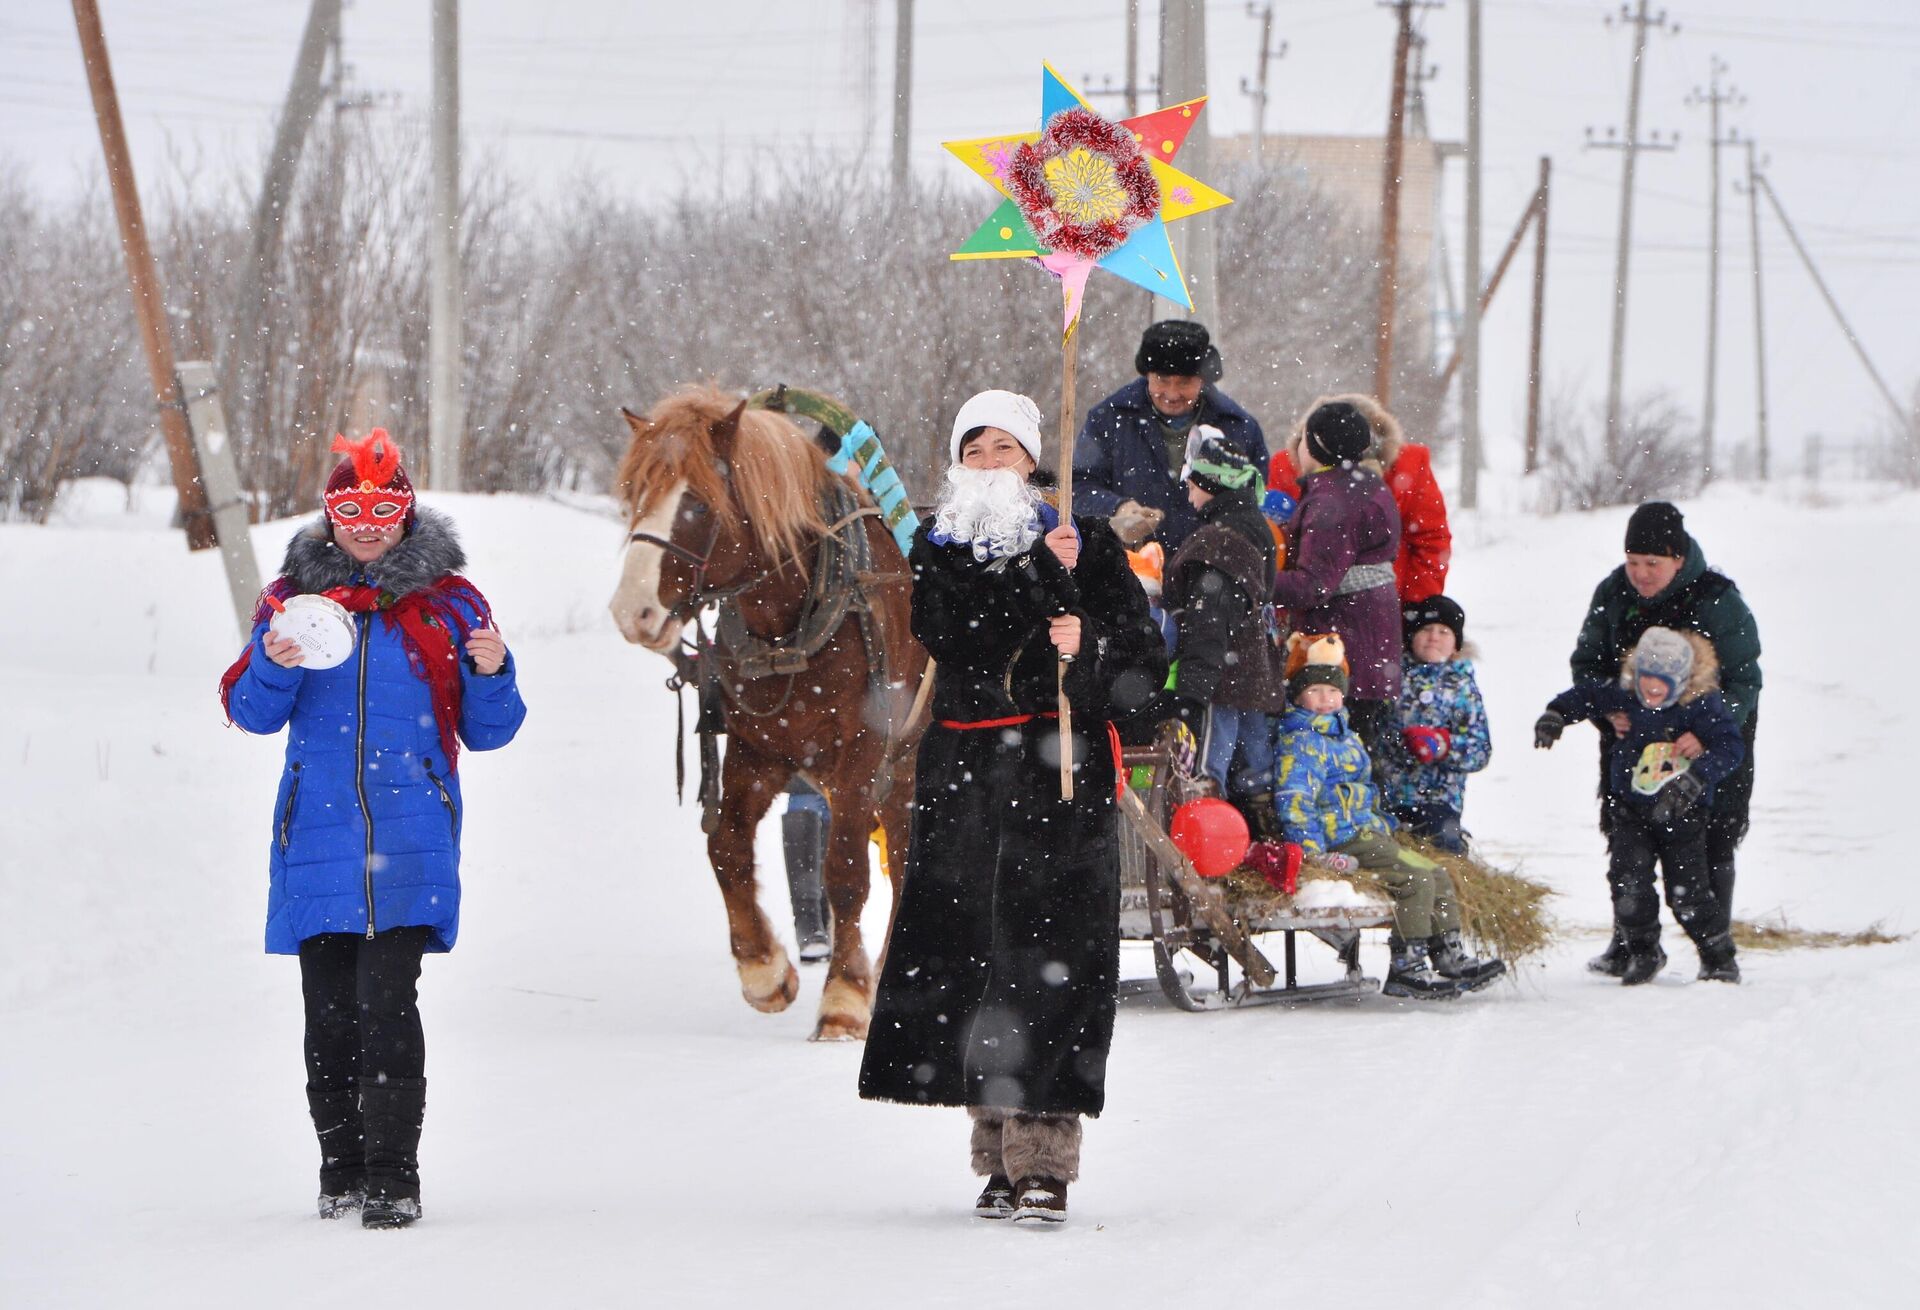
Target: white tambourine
323,628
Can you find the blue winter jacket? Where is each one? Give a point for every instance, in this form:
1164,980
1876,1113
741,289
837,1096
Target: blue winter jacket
1702,713
1323,782
1443,695
366,823
1120,455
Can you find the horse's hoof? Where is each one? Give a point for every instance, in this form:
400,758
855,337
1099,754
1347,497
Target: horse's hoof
844,1013
770,985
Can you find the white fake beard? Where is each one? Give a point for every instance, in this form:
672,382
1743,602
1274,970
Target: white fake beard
993,509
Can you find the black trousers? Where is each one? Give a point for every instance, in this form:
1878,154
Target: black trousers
1636,845
366,1058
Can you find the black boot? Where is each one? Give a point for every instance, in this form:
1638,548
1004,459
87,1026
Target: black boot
1263,820
336,1121
1451,960
1040,1201
1716,959
996,1198
1720,878
392,1112
1411,975
1644,958
803,835
1612,962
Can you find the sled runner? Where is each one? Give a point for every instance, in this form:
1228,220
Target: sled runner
1163,900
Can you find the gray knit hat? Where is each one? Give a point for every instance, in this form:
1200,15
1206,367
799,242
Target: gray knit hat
1666,655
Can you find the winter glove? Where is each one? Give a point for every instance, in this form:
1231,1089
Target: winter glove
1676,799
1547,729
1335,862
1133,522
1427,744
1277,863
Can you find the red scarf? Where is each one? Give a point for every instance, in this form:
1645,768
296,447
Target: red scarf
434,627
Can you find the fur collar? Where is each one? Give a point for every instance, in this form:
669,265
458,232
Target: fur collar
1704,678
429,551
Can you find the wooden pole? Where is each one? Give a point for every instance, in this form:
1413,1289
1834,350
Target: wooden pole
1539,315
1468,350
1069,366
1390,210
148,305
1493,284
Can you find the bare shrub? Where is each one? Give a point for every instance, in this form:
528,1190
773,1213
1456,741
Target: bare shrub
1656,454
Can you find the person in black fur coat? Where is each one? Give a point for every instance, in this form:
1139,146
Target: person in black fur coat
1002,967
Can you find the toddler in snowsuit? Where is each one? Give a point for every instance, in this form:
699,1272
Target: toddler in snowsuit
1328,808
1437,730
1658,798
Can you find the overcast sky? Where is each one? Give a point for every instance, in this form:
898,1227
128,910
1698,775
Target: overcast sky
651,96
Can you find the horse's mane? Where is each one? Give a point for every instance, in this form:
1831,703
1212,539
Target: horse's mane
779,477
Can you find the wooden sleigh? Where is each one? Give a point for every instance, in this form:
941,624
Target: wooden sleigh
1163,900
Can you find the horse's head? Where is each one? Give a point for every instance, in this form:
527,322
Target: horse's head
716,495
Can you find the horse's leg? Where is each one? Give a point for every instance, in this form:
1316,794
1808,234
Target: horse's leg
748,784
846,1002
894,815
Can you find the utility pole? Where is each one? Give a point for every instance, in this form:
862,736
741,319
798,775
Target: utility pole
1390,204
1258,91
1631,148
1899,411
444,404
1759,317
1183,76
1539,315
1470,327
1713,97
149,305
902,90
1133,57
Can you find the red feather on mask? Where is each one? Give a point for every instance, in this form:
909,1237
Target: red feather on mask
376,456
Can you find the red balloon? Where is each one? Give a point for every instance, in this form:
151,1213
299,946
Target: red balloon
1212,834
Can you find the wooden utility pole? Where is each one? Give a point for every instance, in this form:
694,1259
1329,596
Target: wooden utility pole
1539,315
1258,90
148,305
1713,97
902,91
445,407
1886,393
1470,327
1183,76
1630,148
1390,208
1759,318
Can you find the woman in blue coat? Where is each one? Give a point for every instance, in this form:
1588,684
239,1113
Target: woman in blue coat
364,862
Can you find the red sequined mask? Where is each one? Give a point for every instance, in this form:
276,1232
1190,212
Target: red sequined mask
369,489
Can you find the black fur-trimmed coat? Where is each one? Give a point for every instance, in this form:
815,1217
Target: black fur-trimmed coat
1003,964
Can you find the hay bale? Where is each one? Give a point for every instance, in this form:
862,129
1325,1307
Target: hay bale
1500,911
1776,934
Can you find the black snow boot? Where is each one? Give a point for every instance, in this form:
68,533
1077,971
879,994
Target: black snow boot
1411,974
343,1167
1644,960
1612,962
996,1198
1716,959
392,1112
1451,960
1040,1201
803,835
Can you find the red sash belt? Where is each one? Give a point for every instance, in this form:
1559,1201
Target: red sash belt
1015,720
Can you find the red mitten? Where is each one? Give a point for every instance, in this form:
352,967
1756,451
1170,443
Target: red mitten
1278,864
1427,744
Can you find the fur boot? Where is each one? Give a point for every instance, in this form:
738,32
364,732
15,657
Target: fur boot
1041,1146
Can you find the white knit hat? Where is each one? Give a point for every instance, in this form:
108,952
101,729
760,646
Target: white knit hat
1009,411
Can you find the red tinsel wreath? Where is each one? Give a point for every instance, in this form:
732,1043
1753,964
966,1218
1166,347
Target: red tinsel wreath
1078,129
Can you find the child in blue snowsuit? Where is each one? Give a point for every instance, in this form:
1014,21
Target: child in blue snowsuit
1677,738
1437,730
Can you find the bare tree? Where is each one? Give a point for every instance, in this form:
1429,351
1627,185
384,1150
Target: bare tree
1657,454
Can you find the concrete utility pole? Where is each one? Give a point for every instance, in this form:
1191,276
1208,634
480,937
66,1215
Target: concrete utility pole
1886,393
149,305
1258,91
1183,76
1631,148
1390,204
902,90
1133,57
1713,97
1470,456
1759,318
445,407
1539,315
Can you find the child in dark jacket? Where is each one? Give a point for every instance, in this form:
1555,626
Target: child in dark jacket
1660,792
1329,810
1437,731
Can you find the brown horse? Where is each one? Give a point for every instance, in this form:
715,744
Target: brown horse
729,506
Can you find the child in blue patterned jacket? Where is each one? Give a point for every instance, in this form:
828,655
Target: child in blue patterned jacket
1329,811
1438,728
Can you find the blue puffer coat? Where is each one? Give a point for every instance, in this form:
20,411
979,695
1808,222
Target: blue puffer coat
366,824
1443,695
1120,455
1323,782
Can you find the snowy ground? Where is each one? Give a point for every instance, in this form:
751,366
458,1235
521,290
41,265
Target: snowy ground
611,1125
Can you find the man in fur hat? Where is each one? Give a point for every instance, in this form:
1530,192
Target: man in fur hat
1127,461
